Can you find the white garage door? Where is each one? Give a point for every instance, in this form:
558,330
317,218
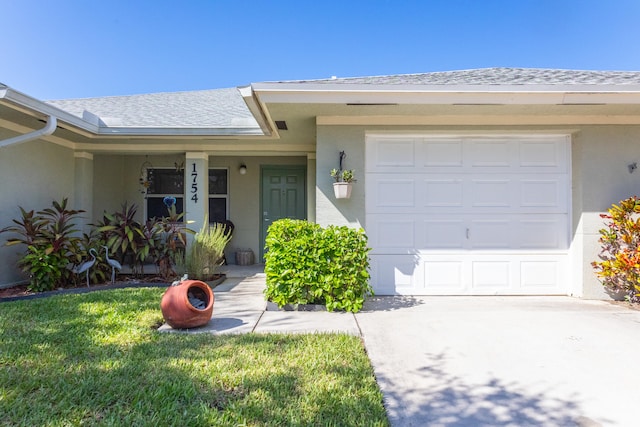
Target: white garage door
468,215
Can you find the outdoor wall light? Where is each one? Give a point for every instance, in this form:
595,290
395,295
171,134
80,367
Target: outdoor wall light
242,169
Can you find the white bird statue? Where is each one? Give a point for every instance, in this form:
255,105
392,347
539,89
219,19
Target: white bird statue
182,279
85,266
113,263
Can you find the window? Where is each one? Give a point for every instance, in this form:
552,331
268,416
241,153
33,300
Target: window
169,182
163,183
218,194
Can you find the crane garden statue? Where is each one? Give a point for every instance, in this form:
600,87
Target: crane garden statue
85,266
115,265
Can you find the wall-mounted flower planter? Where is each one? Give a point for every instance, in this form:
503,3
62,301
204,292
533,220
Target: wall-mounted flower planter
187,305
342,190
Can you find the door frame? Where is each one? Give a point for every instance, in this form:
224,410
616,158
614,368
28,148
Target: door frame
263,169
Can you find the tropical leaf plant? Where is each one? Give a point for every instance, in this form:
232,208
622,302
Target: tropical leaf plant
619,265
125,236
51,240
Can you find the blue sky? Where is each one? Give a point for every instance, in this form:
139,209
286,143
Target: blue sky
53,49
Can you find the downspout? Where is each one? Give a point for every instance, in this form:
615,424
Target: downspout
48,129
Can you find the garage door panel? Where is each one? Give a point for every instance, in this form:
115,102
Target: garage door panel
549,156
460,273
393,233
545,193
443,193
444,277
392,154
468,215
468,232
490,234
425,193
549,232
442,154
539,276
493,276
494,154
490,193
445,234
396,274
394,192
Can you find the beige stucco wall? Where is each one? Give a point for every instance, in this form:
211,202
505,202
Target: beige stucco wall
33,174
600,156
332,140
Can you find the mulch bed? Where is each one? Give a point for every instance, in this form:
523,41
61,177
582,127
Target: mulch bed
22,292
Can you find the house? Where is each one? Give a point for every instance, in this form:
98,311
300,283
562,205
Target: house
486,181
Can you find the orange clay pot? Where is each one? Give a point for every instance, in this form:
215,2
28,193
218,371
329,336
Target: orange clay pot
187,305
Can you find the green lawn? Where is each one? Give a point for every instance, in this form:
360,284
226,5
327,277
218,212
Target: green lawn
96,359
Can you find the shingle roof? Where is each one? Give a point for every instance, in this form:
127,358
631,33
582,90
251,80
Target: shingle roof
494,76
219,108
226,109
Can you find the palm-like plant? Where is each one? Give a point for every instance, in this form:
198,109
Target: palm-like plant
125,235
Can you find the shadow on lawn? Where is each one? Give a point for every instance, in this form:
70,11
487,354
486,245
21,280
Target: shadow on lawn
105,364
453,402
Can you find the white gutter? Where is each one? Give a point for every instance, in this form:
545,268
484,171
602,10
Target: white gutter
48,129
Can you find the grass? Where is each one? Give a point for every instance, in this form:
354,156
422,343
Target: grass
96,359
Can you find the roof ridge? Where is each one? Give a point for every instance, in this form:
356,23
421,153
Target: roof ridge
489,76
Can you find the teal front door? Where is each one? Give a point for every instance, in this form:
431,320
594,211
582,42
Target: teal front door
283,196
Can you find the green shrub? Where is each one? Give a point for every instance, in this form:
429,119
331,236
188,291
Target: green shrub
308,264
45,268
619,268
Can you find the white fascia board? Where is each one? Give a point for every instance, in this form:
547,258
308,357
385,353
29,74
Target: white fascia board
258,110
171,132
450,95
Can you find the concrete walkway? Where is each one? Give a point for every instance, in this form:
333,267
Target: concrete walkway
239,308
473,361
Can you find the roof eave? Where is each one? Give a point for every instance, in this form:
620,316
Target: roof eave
35,107
450,95
259,111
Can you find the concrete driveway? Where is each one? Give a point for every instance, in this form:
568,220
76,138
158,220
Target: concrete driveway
504,361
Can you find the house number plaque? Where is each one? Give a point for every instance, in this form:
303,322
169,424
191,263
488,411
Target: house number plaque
194,184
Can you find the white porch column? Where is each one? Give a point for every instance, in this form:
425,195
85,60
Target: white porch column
196,190
83,188
311,187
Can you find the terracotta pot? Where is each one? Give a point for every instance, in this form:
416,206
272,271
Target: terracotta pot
188,304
